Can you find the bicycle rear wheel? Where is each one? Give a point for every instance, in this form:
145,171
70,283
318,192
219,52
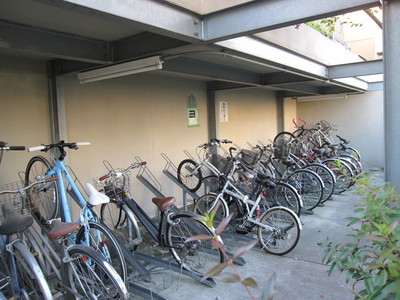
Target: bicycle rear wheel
188,175
284,194
197,256
280,231
31,279
89,276
42,199
99,237
327,177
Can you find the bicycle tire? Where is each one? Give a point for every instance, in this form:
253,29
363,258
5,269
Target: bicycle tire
89,276
342,173
284,233
327,177
103,241
198,255
30,276
205,204
186,177
114,216
284,194
42,199
309,186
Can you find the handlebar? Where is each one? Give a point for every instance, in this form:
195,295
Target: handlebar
59,145
301,126
215,141
3,146
112,173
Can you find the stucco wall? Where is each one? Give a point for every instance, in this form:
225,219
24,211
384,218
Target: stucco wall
359,118
24,112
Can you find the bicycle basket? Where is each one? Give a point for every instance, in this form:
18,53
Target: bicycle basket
223,164
14,199
248,157
281,145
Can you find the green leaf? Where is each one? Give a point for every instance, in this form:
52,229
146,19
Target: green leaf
215,271
221,227
242,250
199,238
268,291
249,282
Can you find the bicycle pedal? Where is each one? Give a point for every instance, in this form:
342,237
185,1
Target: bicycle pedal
137,241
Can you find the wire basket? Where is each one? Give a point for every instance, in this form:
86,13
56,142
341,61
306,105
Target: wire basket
115,188
223,164
14,199
249,157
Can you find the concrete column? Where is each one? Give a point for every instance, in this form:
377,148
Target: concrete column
391,50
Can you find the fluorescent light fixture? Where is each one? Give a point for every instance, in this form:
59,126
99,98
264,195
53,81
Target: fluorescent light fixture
321,97
123,69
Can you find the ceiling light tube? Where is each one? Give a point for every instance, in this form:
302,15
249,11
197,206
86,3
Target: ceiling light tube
123,69
321,97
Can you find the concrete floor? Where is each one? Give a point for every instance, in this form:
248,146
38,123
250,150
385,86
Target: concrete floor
299,274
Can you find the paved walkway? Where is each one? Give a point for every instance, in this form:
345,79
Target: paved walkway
299,274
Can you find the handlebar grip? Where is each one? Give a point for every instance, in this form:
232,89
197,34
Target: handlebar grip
37,148
143,163
82,143
16,148
51,179
104,177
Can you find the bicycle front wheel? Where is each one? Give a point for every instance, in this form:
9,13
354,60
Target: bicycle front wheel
279,231
42,199
90,276
207,203
30,277
198,255
309,186
188,175
99,237
327,177
124,226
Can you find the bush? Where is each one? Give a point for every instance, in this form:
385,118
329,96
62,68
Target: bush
372,259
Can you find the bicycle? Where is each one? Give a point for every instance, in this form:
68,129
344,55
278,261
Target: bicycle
45,199
76,270
20,275
278,226
122,214
190,173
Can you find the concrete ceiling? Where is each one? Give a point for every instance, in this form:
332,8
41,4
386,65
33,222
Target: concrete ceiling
85,34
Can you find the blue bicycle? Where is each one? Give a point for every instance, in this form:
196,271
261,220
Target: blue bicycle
49,201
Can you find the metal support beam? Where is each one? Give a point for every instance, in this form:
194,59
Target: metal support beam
154,16
258,16
356,69
213,122
391,46
47,43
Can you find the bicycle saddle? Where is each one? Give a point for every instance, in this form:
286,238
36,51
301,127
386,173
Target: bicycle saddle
14,221
61,228
265,180
95,197
163,203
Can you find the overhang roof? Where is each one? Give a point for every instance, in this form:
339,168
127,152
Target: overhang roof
219,47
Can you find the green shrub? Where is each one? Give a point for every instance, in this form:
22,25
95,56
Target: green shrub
372,259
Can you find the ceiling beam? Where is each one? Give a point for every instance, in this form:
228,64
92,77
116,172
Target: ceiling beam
150,15
53,44
356,69
258,16
212,71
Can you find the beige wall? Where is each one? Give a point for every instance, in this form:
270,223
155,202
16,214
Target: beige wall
359,118
145,115
24,112
252,116
142,115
